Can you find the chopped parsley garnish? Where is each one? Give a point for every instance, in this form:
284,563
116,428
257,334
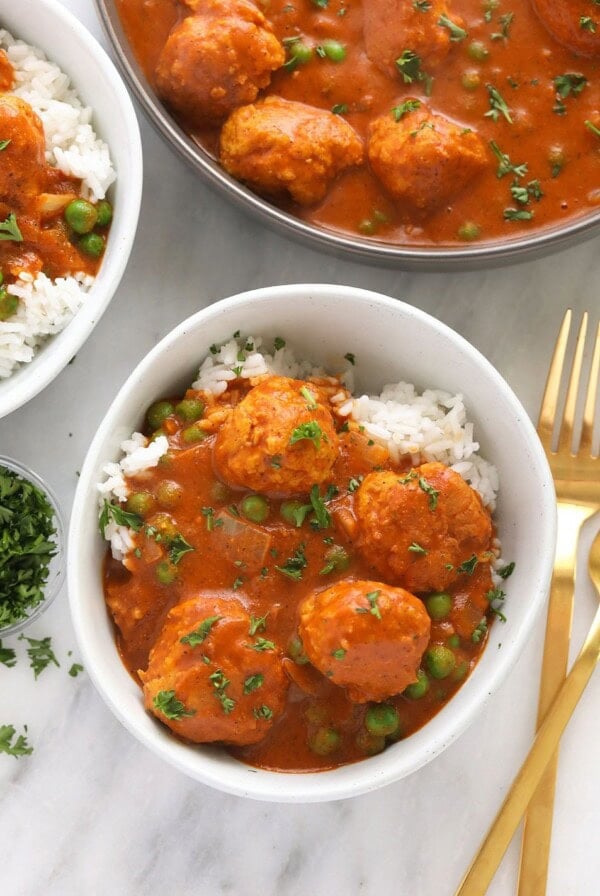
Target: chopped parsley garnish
263,712
506,571
498,106
309,397
262,644
337,558
167,703
310,431
569,84
592,127
496,598
517,214
276,461
429,490
9,229
404,480
587,24
350,357
399,112
278,343
8,657
417,549
456,33
479,632
75,669
200,634
354,484
409,66
323,518
178,546
422,5
338,654
238,583
505,166
257,624
467,567
40,654
16,748
253,682
372,597
220,683
119,516
4,144
339,108
506,21
293,566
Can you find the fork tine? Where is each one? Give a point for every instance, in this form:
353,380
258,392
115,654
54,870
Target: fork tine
565,438
587,430
550,400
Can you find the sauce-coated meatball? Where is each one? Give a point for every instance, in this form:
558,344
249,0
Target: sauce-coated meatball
278,146
392,26
23,160
204,679
424,159
366,637
418,528
279,439
565,20
217,60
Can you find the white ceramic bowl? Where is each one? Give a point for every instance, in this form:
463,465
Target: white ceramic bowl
391,341
47,25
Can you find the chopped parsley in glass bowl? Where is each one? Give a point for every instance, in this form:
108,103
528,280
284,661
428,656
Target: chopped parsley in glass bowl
31,546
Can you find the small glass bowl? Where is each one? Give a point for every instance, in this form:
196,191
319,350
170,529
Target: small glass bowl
56,571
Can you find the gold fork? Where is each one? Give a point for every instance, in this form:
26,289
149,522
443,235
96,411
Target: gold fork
577,481
544,746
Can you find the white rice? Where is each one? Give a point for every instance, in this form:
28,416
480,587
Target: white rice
47,306
428,426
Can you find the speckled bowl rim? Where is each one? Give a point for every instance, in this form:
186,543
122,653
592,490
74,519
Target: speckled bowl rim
454,258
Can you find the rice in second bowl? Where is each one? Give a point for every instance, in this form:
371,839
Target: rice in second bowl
401,434
46,304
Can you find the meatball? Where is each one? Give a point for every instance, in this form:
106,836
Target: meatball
424,159
23,159
413,29
217,60
366,637
417,529
280,146
279,439
204,679
564,22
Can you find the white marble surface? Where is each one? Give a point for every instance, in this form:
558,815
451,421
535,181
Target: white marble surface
92,812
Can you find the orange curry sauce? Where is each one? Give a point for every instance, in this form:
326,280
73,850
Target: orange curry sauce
547,133
245,571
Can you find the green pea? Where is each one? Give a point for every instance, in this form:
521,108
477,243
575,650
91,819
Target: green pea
418,688
157,434
324,741
164,525
193,433
92,244
300,53
190,409
1,278
334,50
440,661
461,670
336,558
8,305
166,573
141,503
169,493
368,743
478,51
289,511
382,719
255,508
471,79
158,412
296,651
438,605
316,713
105,213
469,231
367,226
81,216
219,492
453,641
